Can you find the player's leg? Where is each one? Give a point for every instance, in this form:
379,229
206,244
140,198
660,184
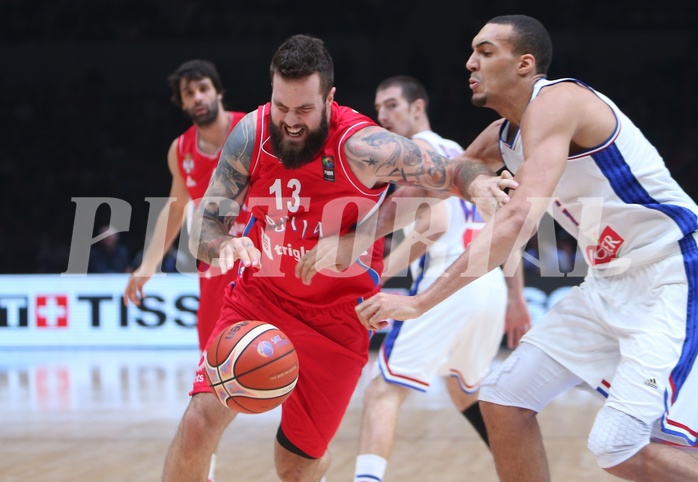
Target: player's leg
293,465
409,359
332,351
568,346
202,424
658,462
516,443
467,404
510,400
382,402
655,372
483,311
616,435
211,295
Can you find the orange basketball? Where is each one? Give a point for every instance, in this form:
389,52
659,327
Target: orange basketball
251,366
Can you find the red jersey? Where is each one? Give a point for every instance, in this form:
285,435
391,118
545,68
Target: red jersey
195,166
293,208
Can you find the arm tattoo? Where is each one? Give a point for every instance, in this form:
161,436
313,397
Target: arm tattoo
465,171
393,158
388,157
225,193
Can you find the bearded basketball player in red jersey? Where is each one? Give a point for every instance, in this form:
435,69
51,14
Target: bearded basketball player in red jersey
306,168
192,158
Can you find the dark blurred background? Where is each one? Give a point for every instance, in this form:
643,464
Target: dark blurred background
86,113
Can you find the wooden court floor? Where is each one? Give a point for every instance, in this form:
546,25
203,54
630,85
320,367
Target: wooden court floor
108,416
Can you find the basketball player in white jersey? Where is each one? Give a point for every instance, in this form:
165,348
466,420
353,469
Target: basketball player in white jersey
460,337
630,330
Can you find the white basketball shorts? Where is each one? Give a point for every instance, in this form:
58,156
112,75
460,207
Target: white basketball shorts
459,337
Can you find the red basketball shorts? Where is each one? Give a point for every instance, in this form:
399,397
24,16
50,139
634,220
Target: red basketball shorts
332,348
212,291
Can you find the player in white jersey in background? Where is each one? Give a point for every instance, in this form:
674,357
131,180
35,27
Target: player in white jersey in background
460,337
630,330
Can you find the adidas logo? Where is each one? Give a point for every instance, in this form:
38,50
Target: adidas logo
651,382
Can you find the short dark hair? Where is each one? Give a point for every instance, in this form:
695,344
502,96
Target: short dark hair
196,69
412,89
301,56
530,37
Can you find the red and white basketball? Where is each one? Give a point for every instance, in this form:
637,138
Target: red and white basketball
251,366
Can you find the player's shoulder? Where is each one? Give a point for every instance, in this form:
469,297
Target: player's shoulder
567,99
563,90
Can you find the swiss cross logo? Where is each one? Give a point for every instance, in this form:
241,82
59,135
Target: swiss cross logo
52,311
606,251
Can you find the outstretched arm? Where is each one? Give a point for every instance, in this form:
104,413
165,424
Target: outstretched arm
167,227
546,130
221,204
377,156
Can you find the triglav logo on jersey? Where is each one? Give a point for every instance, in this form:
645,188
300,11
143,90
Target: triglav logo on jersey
289,250
328,168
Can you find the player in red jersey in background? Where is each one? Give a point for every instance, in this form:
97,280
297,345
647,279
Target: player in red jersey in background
307,169
196,89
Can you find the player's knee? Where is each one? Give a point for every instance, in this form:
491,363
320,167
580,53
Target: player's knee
313,470
616,437
205,417
294,464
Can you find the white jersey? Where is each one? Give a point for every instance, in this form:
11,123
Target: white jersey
461,335
618,199
631,336
464,222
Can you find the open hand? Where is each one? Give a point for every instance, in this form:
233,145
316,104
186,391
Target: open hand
134,287
240,248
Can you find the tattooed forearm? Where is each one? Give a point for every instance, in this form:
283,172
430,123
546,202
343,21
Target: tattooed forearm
229,177
225,193
388,157
217,219
463,174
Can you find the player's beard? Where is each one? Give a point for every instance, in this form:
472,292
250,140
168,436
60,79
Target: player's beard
206,119
295,155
